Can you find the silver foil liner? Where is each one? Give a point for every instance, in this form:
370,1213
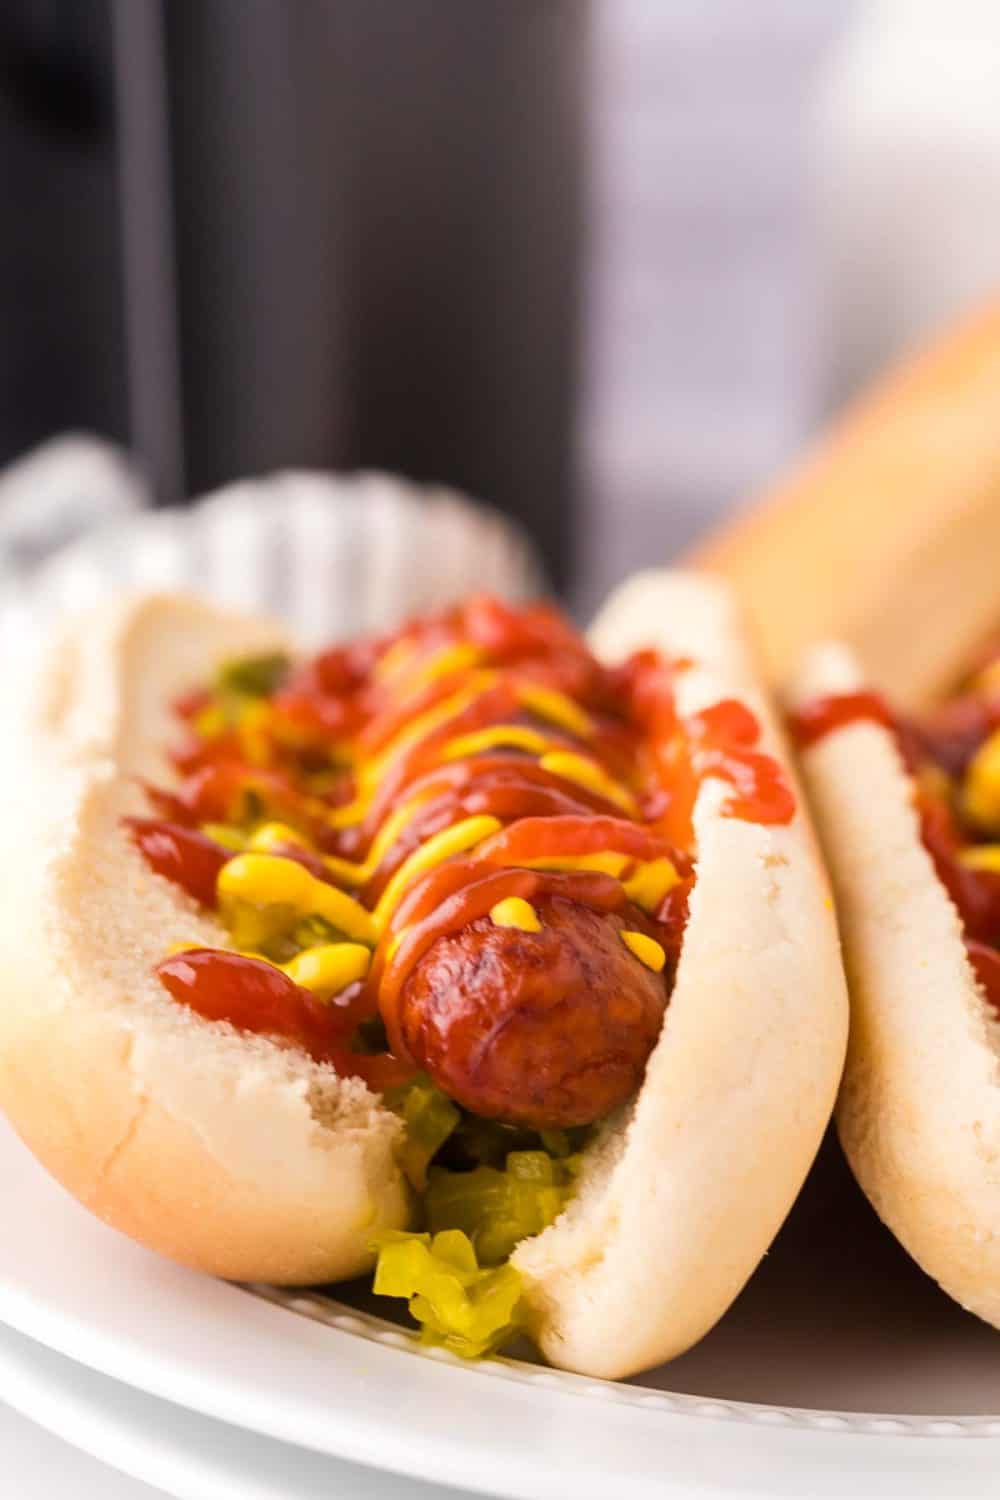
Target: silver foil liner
333,555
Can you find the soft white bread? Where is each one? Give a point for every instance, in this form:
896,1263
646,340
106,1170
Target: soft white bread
904,485
919,1108
221,1151
681,1201
246,1160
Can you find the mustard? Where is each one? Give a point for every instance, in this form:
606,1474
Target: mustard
589,774
457,839
604,861
269,880
652,881
646,949
981,789
422,726
460,656
226,834
516,736
514,911
981,857
555,707
268,836
329,968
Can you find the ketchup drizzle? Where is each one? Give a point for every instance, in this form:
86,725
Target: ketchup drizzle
339,700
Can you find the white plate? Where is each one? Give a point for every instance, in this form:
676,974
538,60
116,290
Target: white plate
182,1453
339,1382
38,1466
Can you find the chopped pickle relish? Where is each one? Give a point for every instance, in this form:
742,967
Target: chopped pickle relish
458,1305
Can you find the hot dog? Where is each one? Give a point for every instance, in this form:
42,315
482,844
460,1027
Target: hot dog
909,812
496,958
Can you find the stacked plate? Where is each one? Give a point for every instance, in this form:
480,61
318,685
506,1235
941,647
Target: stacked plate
841,1371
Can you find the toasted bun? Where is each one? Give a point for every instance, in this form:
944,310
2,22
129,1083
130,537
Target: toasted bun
905,486
681,1199
919,1109
247,1160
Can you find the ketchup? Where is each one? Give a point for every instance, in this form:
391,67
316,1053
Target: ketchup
723,738
348,706
819,717
256,996
976,893
535,838
719,742
511,794
986,964
948,739
182,855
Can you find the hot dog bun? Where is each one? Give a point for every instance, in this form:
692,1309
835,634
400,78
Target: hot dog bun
904,486
682,1200
919,1107
252,1162
219,1150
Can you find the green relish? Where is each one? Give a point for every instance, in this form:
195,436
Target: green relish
483,1188
458,1305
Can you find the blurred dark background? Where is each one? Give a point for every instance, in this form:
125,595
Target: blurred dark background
603,262
338,233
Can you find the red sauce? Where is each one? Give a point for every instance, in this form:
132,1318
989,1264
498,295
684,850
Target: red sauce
948,738
821,716
535,838
257,997
218,793
507,795
722,738
952,732
182,855
338,701
986,964
976,893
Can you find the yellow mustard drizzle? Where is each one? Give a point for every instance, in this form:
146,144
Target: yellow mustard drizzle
325,969
646,949
425,724
981,788
587,773
514,911
328,968
457,839
604,861
513,736
981,857
265,894
460,656
269,880
653,879
556,708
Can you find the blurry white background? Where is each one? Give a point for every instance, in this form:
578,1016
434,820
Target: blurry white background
605,263
782,197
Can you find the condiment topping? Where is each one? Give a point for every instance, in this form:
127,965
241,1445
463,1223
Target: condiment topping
385,794
477,790
953,755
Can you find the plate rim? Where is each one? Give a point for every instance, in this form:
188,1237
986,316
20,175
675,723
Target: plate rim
91,1294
